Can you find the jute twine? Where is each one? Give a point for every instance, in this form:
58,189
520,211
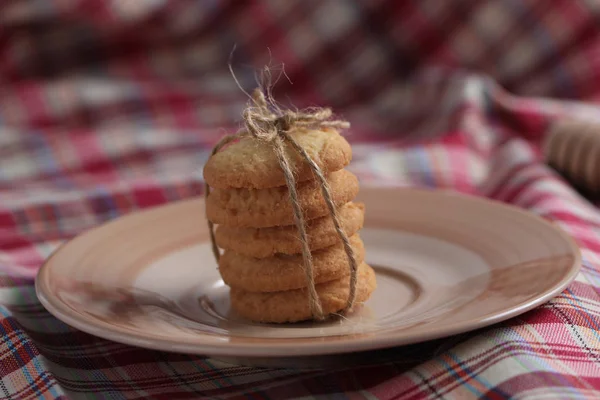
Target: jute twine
265,121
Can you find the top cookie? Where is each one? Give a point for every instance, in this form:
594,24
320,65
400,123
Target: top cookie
251,164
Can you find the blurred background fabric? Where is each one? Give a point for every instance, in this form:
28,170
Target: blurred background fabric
111,106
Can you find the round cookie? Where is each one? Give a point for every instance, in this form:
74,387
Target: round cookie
261,208
252,164
266,242
292,305
284,272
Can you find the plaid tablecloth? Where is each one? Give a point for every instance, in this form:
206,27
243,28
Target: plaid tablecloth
111,106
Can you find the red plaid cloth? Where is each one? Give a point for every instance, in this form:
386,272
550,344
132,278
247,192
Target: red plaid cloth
111,106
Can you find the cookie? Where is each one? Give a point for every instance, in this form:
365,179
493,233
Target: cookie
266,242
284,272
261,208
252,164
292,305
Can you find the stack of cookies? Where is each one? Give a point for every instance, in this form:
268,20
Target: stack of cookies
262,261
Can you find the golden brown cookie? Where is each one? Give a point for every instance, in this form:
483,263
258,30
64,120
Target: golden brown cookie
266,242
261,208
252,164
292,305
284,272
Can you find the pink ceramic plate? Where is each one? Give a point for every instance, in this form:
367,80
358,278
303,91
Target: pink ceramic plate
445,264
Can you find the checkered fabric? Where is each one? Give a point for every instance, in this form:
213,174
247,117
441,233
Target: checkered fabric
110,106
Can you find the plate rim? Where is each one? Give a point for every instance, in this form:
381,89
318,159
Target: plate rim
348,344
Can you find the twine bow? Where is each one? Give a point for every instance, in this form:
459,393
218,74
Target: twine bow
265,121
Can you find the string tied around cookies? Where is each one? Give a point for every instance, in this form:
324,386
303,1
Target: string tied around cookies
267,122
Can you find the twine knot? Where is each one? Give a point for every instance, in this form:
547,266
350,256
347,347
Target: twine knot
265,121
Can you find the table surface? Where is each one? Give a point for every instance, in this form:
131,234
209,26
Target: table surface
109,107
